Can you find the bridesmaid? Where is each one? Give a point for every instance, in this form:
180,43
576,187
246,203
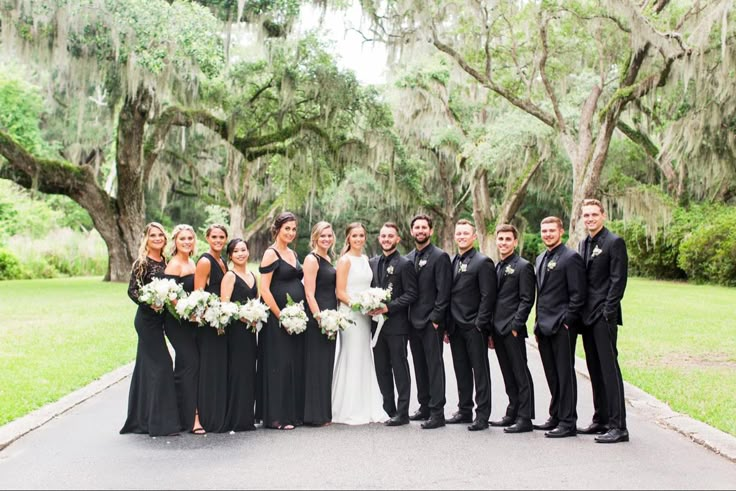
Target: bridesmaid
182,333
319,289
212,387
283,353
152,398
239,285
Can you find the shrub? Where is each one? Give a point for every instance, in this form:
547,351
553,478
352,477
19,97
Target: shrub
10,268
708,251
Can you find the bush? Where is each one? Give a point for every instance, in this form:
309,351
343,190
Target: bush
708,251
10,268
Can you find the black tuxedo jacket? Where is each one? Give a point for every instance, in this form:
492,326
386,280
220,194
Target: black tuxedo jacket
561,296
434,281
515,298
402,279
473,292
607,272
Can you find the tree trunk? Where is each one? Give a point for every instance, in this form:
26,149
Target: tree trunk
482,212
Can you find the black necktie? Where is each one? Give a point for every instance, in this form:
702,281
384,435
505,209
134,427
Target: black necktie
499,271
381,270
543,267
588,244
417,259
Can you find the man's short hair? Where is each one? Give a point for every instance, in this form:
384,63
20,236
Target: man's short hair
507,227
463,221
421,216
556,220
594,202
393,226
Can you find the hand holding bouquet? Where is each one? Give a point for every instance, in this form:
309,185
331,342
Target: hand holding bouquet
371,299
220,314
194,305
293,317
332,321
254,313
160,293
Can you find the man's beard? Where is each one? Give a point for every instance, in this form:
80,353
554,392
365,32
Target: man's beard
421,242
389,248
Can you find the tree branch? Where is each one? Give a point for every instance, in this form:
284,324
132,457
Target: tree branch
543,72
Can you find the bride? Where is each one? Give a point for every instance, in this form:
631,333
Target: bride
356,398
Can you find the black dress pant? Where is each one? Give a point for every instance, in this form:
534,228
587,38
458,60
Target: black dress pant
429,369
392,364
511,353
469,348
601,356
558,359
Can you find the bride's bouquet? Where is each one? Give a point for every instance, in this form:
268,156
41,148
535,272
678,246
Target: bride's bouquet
194,306
371,299
161,292
254,313
220,314
333,321
293,317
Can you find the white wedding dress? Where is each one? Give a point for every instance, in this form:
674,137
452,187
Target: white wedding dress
356,398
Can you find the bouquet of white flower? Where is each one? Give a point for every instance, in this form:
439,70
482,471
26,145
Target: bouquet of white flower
371,299
161,292
220,314
332,321
254,313
293,317
194,305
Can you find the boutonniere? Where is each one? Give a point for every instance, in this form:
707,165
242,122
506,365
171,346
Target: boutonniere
596,251
463,267
509,270
390,270
422,263
551,265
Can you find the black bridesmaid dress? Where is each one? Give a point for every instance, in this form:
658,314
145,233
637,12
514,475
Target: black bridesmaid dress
320,351
212,392
182,335
152,405
241,374
283,353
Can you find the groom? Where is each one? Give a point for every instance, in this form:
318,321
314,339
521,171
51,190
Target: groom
392,270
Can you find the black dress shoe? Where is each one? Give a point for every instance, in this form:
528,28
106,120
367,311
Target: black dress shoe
521,426
478,425
398,421
420,416
434,422
459,418
593,429
505,421
561,432
550,424
614,435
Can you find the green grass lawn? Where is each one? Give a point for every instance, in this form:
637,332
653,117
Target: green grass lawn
678,343
57,336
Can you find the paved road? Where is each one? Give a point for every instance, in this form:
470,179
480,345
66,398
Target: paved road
82,450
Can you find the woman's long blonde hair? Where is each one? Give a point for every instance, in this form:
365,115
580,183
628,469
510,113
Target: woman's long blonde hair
349,229
140,262
175,233
316,232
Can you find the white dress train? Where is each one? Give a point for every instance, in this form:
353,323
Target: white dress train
356,398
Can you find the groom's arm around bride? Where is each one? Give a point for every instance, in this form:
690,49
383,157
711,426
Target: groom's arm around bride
391,270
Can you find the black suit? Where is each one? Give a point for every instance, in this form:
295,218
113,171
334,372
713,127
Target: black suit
606,263
470,324
560,300
434,280
389,354
514,301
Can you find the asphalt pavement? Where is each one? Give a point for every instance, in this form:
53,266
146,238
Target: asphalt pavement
81,449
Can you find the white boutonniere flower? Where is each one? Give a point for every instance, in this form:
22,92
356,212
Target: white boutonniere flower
422,263
596,251
390,270
463,267
509,270
551,265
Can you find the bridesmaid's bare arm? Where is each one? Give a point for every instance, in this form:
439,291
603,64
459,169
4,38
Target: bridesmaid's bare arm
342,270
269,257
311,267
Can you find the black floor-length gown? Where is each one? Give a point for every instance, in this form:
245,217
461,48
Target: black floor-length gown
212,392
320,351
241,374
182,335
283,353
152,405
